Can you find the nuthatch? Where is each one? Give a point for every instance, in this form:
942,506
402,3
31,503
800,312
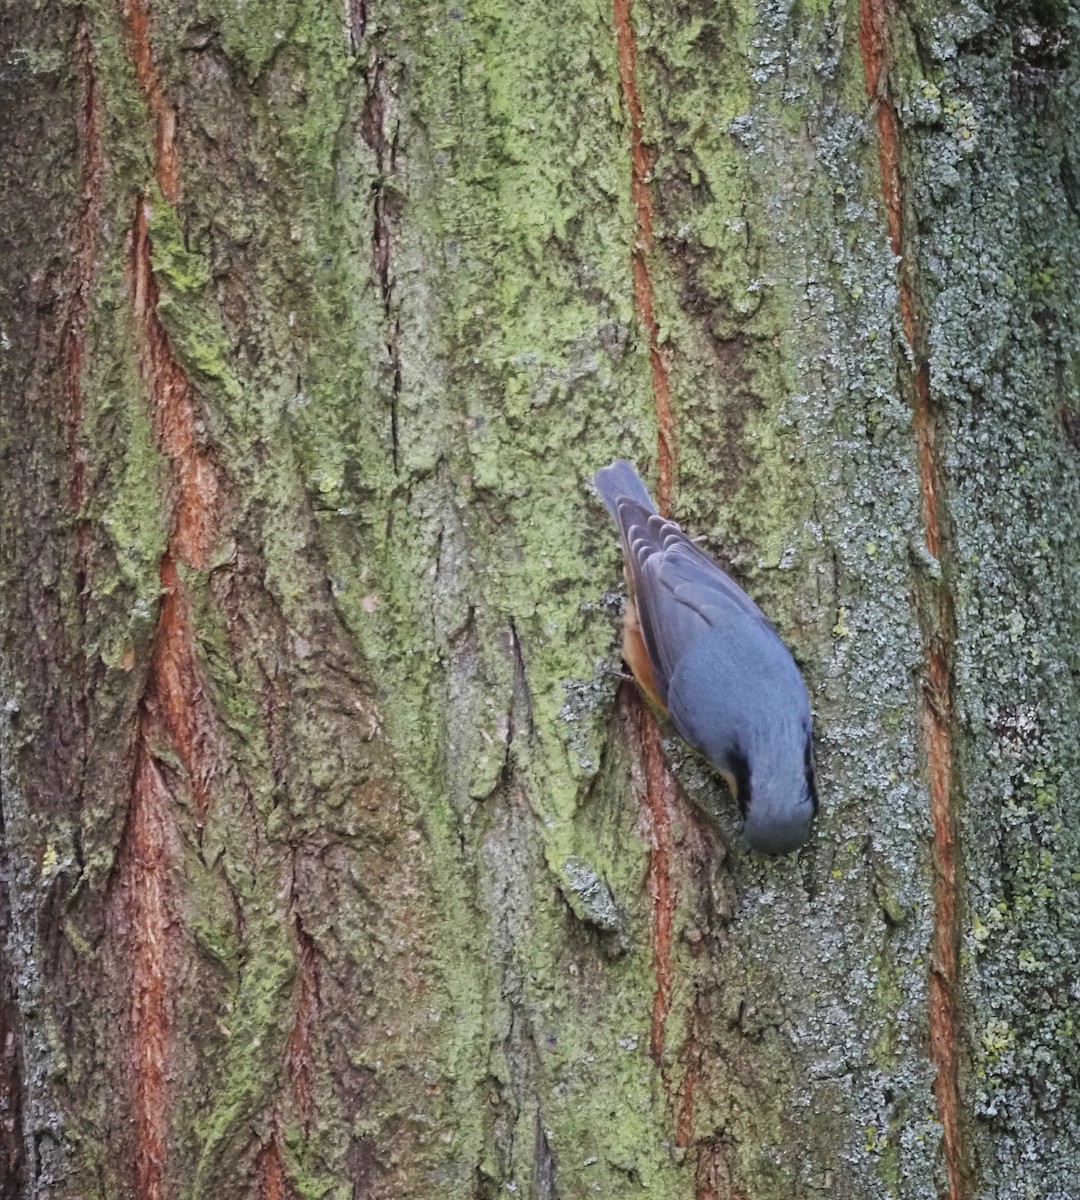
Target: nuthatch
705,654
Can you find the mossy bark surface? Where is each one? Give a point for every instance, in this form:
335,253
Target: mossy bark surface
338,861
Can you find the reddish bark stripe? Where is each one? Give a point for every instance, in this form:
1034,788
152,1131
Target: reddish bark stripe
660,798
175,708
271,1172
144,895
298,1054
937,703
658,786
175,695
928,465
298,1057
642,160
196,486
146,72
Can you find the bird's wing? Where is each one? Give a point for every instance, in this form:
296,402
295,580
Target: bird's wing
681,595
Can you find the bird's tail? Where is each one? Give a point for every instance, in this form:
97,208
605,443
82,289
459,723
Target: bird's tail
620,481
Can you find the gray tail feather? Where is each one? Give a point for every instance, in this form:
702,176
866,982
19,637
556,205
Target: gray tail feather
620,481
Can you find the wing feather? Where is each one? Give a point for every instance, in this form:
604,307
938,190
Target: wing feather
681,595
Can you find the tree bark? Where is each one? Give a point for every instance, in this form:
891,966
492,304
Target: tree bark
337,861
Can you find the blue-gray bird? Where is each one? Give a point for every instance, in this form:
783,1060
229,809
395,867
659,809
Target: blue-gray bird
705,654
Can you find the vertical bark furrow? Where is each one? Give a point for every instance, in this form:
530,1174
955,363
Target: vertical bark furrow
379,130
176,704
712,1180
642,160
356,12
937,621
271,1173
196,486
175,693
298,1053
176,711
88,126
659,786
164,113
660,798
143,903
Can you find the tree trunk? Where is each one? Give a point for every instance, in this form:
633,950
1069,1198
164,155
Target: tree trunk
337,860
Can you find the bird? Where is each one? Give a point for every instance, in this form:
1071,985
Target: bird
709,659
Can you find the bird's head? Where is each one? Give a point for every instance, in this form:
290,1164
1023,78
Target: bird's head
774,784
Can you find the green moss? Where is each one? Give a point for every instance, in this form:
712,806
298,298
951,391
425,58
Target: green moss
196,336
254,1051
406,442
253,34
128,505
175,266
